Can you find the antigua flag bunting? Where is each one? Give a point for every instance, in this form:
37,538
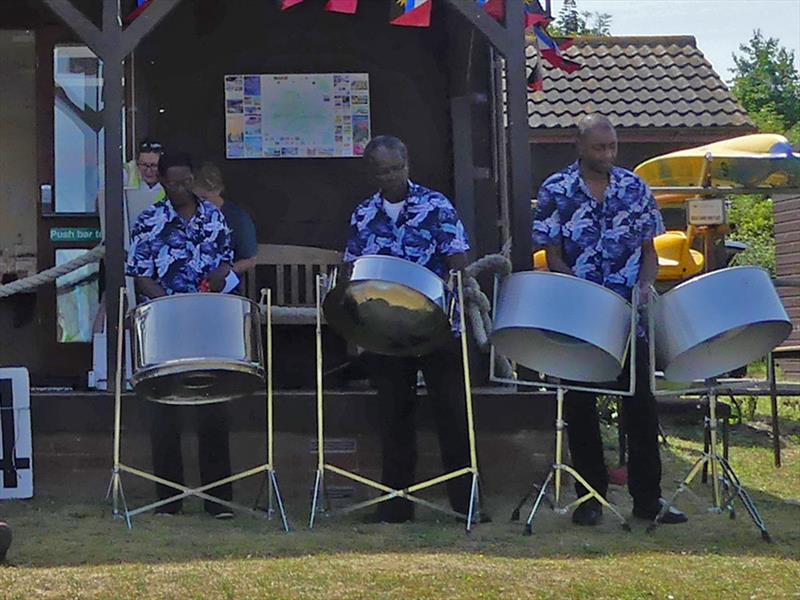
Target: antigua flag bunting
141,6
287,4
348,7
550,50
411,13
534,13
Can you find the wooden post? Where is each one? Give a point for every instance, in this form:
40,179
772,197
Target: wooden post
112,44
510,42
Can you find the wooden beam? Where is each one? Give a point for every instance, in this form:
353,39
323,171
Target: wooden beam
144,24
518,129
495,33
79,23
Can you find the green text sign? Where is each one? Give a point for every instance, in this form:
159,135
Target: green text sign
75,234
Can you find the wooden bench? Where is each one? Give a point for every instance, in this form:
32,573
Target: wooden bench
290,272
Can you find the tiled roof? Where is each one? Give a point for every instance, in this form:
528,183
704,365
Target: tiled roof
637,82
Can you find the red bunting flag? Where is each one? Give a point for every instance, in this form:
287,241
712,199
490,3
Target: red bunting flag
411,13
287,4
550,50
348,7
141,6
534,13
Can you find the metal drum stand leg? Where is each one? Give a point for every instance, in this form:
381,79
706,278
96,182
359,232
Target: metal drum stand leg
554,475
119,505
388,492
722,476
270,481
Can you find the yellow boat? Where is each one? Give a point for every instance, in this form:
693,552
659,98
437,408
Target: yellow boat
762,160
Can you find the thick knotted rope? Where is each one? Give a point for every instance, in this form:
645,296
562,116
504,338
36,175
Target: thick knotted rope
49,275
478,306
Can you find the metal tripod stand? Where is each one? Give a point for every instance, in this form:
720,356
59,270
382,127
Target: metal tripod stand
726,485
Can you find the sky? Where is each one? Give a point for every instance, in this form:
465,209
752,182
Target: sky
718,25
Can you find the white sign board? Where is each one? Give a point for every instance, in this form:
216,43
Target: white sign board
16,449
321,115
706,211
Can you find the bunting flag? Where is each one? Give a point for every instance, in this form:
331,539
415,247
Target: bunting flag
141,6
411,13
348,7
550,50
534,13
287,4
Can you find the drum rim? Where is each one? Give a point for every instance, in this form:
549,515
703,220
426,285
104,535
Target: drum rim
716,272
179,366
241,299
571,277
404,261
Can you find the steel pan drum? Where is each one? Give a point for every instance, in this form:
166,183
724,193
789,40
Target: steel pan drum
562,326
196,348
717,322
390,306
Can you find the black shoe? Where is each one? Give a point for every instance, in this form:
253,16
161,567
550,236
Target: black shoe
671,517
590,513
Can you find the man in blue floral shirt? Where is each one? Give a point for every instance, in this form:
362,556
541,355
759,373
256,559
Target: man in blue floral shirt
409,221
176,246
597,222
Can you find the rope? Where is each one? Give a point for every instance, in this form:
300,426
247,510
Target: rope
478,306
49,275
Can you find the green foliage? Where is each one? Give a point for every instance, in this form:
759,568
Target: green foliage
572,22
753,220
767,83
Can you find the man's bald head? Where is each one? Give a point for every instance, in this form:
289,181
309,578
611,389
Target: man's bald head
596,144
590,122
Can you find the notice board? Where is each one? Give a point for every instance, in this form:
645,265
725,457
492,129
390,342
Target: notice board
314,115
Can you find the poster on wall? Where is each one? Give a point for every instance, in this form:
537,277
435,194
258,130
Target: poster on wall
322,115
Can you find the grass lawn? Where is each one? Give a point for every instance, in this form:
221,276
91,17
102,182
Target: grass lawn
75,549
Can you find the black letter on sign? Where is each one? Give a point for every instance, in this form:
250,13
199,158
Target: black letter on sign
9,463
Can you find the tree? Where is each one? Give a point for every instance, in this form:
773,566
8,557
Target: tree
754,221
572,22
767,84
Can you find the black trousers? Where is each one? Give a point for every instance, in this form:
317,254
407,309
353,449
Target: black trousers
640,423
213,450
395,379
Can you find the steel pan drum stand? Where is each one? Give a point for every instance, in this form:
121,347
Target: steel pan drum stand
722,474
389,493
558,467
120,508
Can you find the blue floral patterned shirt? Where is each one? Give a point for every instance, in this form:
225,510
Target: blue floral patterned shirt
427,230
176,253
601,242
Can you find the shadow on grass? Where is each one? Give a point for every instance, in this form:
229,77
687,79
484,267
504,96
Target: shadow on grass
55,532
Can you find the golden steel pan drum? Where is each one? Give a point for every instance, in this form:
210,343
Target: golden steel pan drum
390,306
562,326
196,348
718,322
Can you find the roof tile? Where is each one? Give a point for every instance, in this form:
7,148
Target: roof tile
637,82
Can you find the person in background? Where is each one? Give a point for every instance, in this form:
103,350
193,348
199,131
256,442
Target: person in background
141,182
176,246
209,185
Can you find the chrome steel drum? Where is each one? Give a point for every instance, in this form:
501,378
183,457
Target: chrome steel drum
562,326
196,348
717,322
390,306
